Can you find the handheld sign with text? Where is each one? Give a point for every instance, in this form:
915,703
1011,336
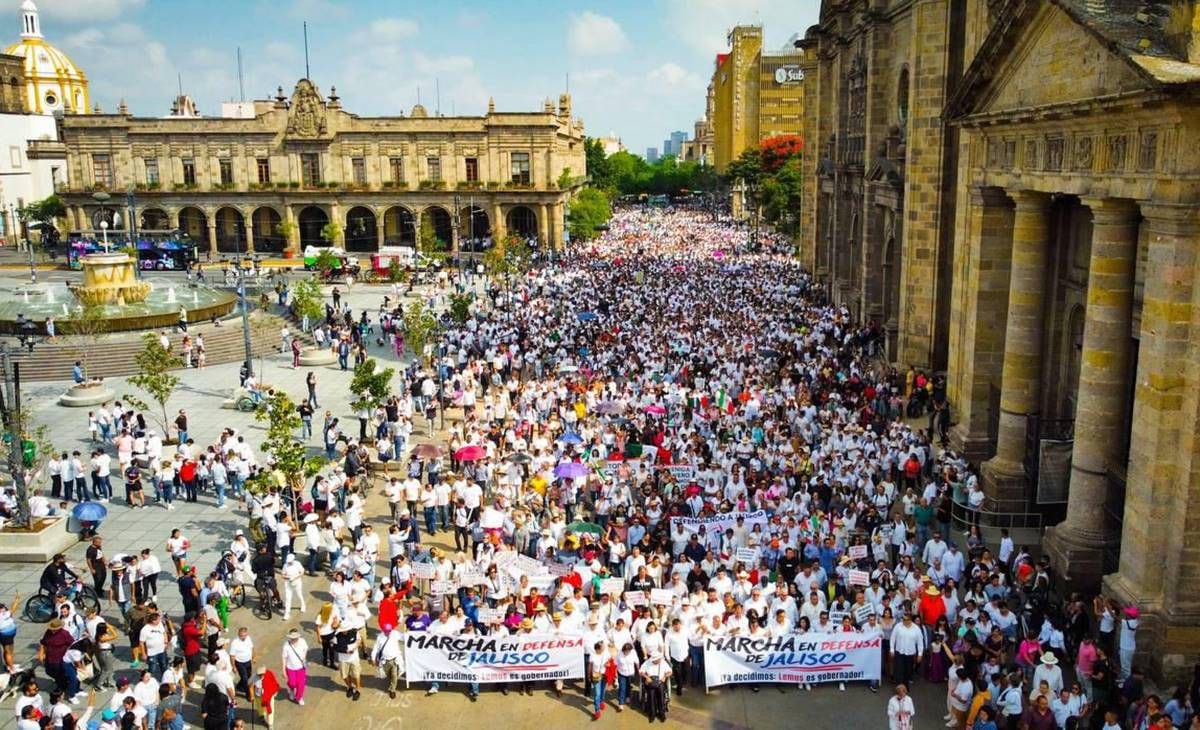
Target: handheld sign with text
857,552
441,587
635,598
425,571
858,578
612,586
747,556
662,596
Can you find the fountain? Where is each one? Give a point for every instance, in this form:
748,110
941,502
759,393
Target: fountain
49,296
25,295
171,295
66,312
195,297
110,278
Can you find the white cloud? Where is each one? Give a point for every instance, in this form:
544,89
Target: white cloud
387,30
83,11
591,34
703,24
314,10
672,77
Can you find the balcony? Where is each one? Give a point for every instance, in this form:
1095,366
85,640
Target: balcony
46,149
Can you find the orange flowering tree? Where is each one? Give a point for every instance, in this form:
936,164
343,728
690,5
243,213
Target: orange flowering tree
776,151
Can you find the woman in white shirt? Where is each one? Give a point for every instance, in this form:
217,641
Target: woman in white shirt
900,710
627,667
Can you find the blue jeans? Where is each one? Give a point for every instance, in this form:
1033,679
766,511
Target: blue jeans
473,689
330,451
168,491
306,428
430,520
183,437
157,664
597,694
311,564
151,714
622,688
696,654
220,490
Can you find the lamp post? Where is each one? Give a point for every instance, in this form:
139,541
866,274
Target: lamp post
10,407
104,233
241,283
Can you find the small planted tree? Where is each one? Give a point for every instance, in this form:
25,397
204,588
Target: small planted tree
460,306
395,272
427,241
326,262
286,230
307,300
331,232
154,377
292,460
420,328
371,385
85,331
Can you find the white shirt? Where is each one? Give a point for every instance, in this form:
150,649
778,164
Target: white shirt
908,640
241,650
154,637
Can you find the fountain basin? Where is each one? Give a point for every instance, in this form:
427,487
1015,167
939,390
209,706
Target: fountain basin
156,311
86,394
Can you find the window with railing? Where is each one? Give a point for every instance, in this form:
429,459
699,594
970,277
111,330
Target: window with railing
358,170
102,171
433,166
264,170
519,166
152,171
226,168
396,166
310,169
472,169
189,172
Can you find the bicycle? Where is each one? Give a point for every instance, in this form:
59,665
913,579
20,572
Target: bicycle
269,601
40,608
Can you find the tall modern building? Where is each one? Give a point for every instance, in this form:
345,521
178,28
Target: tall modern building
673,145
756,93
651,155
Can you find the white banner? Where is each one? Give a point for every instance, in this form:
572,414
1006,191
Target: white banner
792,659
722,522
485,659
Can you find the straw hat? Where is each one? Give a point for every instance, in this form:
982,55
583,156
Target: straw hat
932,590
526,624
1049,659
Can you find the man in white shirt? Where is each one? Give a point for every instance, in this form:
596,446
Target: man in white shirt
907,648
241,652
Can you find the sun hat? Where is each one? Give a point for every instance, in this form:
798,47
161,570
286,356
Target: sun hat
1049,659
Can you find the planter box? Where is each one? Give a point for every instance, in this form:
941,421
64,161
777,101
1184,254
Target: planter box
48,537
81,396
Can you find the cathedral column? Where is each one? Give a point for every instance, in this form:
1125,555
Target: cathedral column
556,227
1075,544
977,364
335,216
499,225
212,233
249,234
379,232
544,225
1020,389
293,238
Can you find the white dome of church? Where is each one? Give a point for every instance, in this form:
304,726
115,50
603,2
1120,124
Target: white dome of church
53,82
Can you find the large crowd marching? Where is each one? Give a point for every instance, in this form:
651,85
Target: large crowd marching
660,439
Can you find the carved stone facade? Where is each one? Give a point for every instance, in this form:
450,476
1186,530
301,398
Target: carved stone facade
230,183
885,172
1075,308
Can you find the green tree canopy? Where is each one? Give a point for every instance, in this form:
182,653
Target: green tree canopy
589,210
154,377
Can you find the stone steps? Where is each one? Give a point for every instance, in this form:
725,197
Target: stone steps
115,357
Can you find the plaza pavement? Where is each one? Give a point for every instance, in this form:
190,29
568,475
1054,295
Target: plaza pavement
209,529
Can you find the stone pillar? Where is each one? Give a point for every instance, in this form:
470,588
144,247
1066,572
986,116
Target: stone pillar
543,214
455,222
212,234
1020,390
977,365
556,226
499,225
249,226
335,216
1075,544
293,239
379,233
1159,530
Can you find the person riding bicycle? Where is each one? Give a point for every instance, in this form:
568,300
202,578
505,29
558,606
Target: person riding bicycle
263,565
58,577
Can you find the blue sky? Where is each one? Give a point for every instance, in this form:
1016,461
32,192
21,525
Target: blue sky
636,68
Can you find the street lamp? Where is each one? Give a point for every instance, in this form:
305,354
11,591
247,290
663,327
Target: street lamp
104,233
241,283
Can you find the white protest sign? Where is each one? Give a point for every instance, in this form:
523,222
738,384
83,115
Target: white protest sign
635,598
441,587
748,556
425,571
858,578
662,596
857,552
612,586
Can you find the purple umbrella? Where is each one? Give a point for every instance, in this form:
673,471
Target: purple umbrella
570,470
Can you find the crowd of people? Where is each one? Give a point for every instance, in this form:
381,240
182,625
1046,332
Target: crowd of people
662,406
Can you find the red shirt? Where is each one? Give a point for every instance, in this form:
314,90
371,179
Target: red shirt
191,638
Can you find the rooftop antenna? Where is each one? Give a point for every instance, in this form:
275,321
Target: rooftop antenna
179,78
241,78
418,96
437,87
568,82
307,73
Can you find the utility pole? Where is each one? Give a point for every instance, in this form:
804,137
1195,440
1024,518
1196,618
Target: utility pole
10,406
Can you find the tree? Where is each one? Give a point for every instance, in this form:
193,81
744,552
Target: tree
154,377
589,210
86,329
460,306
420,328
45,211
427,241
598,167
782,196
370,385
292,461
510,255
287,229
777,150
326,261
307,300
331,232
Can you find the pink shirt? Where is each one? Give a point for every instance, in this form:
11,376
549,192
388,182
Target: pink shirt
1085,658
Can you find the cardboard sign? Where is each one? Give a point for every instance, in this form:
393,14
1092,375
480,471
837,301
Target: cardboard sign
636,598
662,596
490,615
858,578
862,613
529,565
612,586
857,552
557,570
442,587
424,571
472,577
747,556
